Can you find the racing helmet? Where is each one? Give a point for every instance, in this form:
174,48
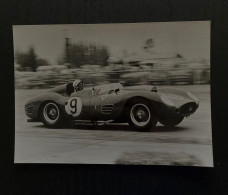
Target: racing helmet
78,85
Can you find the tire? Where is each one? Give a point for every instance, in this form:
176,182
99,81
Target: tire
51,115
173,123
141,116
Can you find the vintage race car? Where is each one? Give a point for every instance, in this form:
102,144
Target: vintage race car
140,106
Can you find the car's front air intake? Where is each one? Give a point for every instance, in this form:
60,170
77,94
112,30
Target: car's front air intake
188,108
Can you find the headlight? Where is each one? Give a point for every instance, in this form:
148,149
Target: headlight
167,101
192,96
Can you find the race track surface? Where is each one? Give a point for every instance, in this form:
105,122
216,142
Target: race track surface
190,143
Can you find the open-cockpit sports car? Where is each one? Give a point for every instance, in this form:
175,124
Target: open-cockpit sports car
139,106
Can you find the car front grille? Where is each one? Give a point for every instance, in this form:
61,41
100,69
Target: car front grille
107,109
188,108
29,110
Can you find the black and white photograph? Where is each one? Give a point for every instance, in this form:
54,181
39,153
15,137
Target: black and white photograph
120,93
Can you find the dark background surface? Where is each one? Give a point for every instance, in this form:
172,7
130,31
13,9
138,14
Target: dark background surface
114,179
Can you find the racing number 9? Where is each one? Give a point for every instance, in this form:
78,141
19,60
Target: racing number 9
73,106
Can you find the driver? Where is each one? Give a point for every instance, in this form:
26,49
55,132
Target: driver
78,85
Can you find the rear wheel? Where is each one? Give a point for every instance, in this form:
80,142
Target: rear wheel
50,115
141,116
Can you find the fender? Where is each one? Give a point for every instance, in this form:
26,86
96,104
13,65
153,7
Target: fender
49,96
153,97
129,95
178,96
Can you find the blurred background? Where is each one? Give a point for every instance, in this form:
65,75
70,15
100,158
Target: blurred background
155,60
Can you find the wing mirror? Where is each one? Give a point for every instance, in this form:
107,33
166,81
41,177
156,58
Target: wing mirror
117,90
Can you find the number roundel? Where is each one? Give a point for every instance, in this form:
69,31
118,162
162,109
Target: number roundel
74,106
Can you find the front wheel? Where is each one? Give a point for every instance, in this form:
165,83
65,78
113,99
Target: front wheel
50,115
173,121
141,116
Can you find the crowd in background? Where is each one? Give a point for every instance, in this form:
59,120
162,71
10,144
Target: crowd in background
131,73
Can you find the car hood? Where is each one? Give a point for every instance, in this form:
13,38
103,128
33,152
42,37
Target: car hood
140,88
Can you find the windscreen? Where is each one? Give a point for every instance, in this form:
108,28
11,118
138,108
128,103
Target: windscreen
102,89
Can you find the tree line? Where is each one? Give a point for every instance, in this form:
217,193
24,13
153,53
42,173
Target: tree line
75,55
28,60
